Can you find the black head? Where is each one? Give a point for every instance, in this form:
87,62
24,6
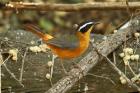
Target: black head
85,26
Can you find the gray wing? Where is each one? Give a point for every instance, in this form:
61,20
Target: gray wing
67,42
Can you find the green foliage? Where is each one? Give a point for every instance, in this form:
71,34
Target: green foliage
46,24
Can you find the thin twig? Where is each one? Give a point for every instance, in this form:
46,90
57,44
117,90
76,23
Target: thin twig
117,69
12,74
91,59
22,66
102,77
52,67
121,73
131,69
3,64
114,57
13,41
137,42
6,59
125,69
51,82
1,61
130,14
70,7
63,67
137,65
128,8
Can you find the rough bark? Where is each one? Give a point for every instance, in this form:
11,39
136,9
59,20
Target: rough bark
35,66
70,7
92,58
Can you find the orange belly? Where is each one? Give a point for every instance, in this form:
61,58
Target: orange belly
68,53
72,53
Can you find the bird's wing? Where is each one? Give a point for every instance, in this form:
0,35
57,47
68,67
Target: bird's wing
65,42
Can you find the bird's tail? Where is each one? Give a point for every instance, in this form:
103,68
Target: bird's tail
35,30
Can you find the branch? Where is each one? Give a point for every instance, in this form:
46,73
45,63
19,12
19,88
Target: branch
1,59
70,7
89,61
22,66
12,74
122,74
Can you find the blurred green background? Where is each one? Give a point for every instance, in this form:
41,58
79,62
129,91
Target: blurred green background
60,22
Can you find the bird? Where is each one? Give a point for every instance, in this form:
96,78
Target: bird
64,47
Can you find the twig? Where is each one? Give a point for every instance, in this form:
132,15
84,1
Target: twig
131,69
22,66
102,77
130,15
62,65
1,59
137,42
114,57
51,69
125,69
137,66
121,73
70,7
6,59
53,58
3,64
12,74
13,41
91,59
128,8
51,81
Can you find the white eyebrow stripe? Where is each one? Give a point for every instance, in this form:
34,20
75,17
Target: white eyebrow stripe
85,25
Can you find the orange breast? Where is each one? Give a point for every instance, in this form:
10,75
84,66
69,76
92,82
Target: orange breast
72,53
67,53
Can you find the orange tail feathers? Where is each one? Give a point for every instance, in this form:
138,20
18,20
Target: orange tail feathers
34,29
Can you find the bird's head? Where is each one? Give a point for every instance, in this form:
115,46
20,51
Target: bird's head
86,26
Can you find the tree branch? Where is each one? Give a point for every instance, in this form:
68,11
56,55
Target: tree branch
89,61
1,59
70,7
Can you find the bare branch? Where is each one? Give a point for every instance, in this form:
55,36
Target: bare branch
1,59
5,59
89,61
107,78
12,74
4,64
122,74
22,66
70,7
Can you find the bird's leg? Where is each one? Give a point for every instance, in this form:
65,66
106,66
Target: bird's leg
65,71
